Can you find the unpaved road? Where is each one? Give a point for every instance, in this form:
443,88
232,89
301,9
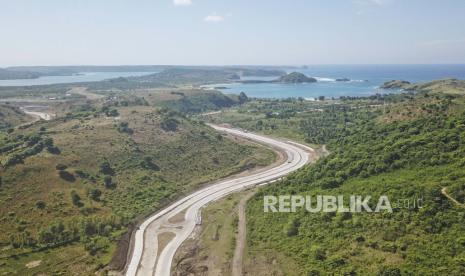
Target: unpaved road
37,112
241,236
446,194
83,92
146,259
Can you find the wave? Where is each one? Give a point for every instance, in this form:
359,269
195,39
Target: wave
324,79
321,79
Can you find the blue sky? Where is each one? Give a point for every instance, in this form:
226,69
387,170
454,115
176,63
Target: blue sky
216,32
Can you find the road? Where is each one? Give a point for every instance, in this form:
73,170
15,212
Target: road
148,259
35,112
83,92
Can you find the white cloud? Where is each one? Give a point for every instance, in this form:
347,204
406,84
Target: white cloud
182,2
214,18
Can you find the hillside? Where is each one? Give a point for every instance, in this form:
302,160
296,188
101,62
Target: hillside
378,147
12,74
196,101
395,84
72,186
11,116
445,86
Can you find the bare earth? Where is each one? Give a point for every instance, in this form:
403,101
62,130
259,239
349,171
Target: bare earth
241,236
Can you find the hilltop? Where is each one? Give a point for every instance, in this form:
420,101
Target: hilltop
295,77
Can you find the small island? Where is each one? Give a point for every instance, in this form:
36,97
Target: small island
295,77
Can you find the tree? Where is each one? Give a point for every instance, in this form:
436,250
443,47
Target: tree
95,194
76,199
40,204
169,124
61,167
46,237
147,163
106,169
108,182
66,176
124,127
243,98
293,228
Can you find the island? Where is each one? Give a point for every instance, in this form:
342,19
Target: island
295,77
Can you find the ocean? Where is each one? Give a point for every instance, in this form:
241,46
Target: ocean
81,77
364,80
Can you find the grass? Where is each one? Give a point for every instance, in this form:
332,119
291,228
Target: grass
11,116
85,142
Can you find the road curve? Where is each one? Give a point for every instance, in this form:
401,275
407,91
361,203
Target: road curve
146,258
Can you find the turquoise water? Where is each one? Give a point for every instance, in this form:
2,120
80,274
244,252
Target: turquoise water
365,80
82,77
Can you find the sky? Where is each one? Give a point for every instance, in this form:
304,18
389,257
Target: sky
231,32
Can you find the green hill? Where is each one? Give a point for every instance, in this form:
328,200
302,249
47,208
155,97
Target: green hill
12,74
295,77
70,187
407,146
445,86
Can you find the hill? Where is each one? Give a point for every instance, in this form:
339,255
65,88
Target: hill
445,86
295,77
409,147
11,74
11,116
72,186
395,84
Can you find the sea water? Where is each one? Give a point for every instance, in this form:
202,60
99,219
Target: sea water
364,80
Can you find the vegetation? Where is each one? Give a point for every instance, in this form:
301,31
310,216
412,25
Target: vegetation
11,74
71,186
295,77
11,116
445,86
408,146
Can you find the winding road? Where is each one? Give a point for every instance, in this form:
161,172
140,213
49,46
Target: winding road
148,259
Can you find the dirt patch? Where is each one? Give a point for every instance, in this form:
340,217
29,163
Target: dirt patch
178,218
263,266
120,256
186,260
164,239
83,92
241,235
33,264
